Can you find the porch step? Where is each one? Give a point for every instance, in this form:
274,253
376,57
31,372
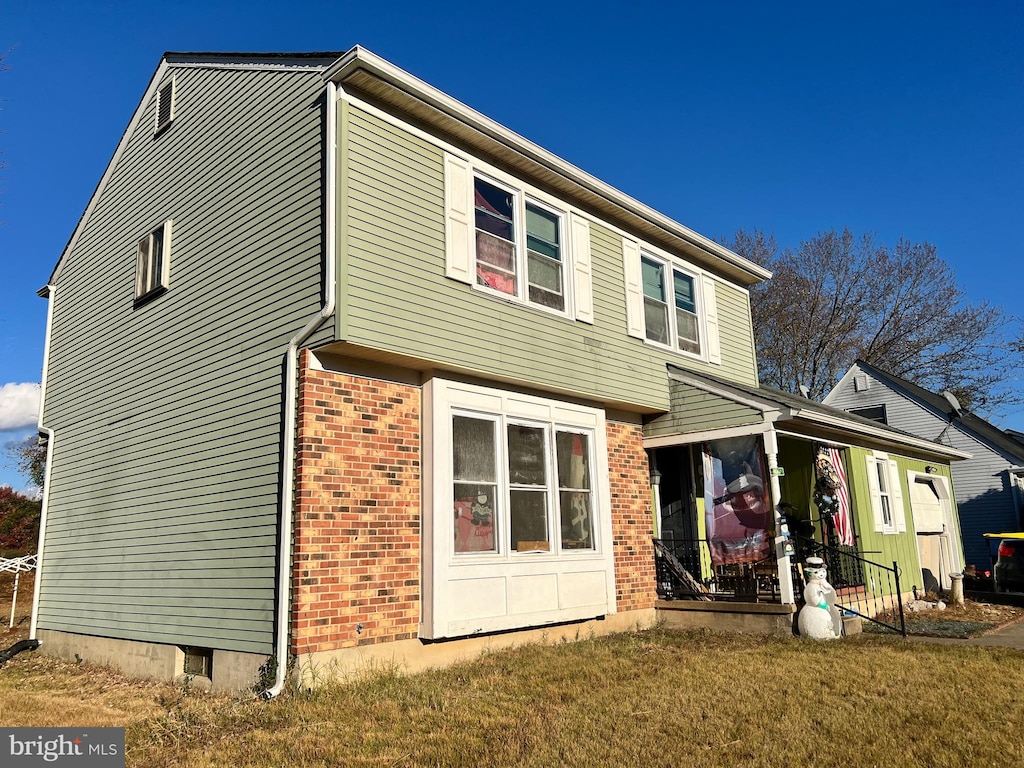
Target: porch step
755,618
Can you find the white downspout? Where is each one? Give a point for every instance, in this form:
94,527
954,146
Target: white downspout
290,405
51,293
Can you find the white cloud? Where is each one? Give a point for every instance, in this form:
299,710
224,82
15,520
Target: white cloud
19,405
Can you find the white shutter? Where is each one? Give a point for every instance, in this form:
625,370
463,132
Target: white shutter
711,321
581,265
165,263
458,230
634,288
899,512
876,497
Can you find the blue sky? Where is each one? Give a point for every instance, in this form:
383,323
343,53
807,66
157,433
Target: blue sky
896,119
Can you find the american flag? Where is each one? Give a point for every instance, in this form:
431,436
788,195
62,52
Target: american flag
844,528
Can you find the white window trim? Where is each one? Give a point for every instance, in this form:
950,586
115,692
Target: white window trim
522,196
451,580
894,492
674,265
634,251
141,291
460,237
502,513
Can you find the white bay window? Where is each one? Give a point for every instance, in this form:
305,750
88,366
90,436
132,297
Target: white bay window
517,531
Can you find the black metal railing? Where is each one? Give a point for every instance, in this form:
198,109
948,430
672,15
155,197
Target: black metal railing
685,571
863,588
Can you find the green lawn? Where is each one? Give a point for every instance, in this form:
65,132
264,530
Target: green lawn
654,698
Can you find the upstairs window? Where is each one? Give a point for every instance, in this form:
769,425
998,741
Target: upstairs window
152,265
164,106
670,305
529,268
515,242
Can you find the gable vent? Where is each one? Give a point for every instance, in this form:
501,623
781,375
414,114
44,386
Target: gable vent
860,383
164,106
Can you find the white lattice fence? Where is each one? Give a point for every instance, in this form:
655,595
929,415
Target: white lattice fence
17,566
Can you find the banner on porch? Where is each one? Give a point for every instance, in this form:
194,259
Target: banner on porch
737,507
831,493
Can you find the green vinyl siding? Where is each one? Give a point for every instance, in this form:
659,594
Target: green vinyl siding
163,500
797,486
885,548
694,410
396,298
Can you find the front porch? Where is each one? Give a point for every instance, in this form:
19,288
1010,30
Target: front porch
746,597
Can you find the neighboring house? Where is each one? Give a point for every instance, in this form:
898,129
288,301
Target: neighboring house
989,486
339,369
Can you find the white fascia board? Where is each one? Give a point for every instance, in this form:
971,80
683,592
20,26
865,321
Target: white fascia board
361,59
826,419
823,419
724,433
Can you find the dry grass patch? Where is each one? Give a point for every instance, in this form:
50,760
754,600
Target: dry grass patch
654,698
968,620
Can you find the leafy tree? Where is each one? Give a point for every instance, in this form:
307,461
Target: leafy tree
838,297
29,458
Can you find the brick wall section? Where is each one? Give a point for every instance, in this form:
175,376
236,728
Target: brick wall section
357,516
631,517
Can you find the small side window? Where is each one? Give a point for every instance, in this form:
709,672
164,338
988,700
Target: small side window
152,265
164,106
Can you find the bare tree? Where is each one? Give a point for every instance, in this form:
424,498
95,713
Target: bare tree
838,297
28,456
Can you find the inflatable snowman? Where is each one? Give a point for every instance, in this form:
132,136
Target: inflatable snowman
819,618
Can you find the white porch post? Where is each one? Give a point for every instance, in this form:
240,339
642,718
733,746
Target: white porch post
771,450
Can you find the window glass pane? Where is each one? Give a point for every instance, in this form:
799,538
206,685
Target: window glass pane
542,231
475,510
545,273
577,532
529,521
496,264
656,320
653,279
573,456
574,499
494,210
881,469
686,327
526,464
143,266
684,294
473,448
547,298
886,512
156,259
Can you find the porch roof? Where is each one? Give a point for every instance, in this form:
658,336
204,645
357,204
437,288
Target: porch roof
703,407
